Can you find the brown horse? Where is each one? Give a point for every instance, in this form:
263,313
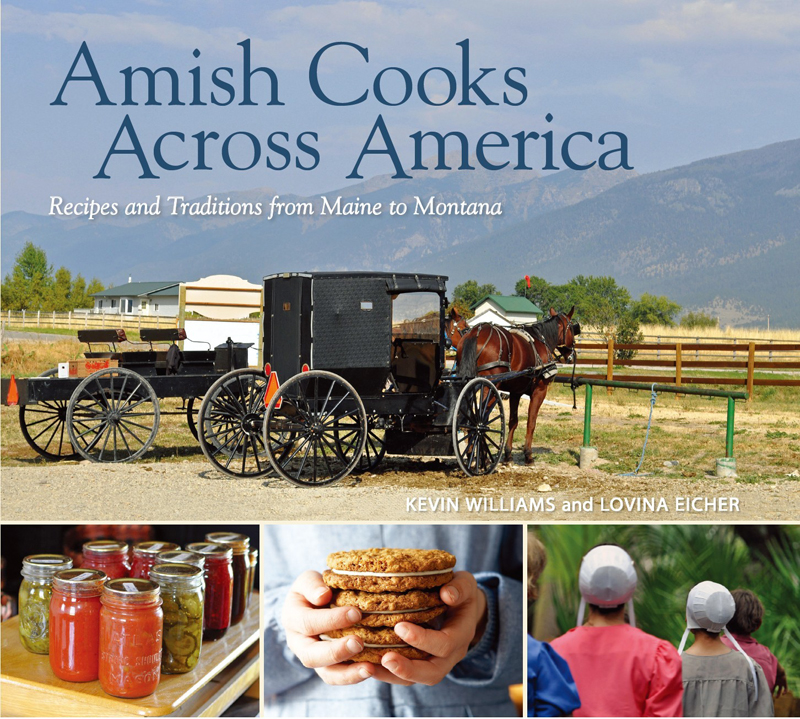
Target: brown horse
488,349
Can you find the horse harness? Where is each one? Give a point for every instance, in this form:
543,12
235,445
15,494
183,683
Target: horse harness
504,345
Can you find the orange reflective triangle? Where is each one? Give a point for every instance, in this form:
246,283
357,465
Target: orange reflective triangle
12,399
272,387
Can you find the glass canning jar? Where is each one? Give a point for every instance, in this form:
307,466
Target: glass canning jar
182,597
240,544
144,557
131,625
107,555
34,599
181,556
252,567
75,624
219,588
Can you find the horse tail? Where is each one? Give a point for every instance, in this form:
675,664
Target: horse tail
468,361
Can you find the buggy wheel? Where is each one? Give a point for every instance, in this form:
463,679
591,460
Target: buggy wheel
479,427
192,412
229,424
113,416
43,426
317,435
374,447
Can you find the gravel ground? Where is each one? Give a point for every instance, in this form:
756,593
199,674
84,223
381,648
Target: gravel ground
190,491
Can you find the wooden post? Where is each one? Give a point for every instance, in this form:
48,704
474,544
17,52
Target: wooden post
54,319
610,366
751,365
678,364
38,318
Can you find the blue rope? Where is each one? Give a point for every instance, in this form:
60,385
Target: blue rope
647,435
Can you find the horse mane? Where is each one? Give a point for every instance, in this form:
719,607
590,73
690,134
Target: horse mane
547,330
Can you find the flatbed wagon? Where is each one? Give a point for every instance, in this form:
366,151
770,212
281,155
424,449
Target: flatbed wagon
113,413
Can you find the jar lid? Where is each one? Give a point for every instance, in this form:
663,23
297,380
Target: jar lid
44,565
238,542
132,588
105,546
181,556
175,573
77,579
217,551
154,547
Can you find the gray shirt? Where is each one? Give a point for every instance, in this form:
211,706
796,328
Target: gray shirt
722,686
476,686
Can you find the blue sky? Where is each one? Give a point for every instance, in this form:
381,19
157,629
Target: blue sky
683,79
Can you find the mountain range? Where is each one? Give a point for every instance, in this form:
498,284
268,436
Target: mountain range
720,234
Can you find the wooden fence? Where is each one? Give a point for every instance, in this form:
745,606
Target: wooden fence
677,357
82,320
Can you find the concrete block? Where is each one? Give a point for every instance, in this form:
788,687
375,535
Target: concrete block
588,457
726,467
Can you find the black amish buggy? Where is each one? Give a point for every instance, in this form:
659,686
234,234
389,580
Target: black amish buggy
343,386
112,415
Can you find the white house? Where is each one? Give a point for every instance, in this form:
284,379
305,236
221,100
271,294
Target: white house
505,311
149,299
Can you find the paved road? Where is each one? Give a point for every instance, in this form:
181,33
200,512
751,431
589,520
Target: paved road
36,336
190,491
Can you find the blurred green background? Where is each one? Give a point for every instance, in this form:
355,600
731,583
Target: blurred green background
670,560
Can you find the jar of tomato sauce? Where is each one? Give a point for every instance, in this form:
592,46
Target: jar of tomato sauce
34,599
181,556
182,597
218,573
75,624
252,567
131,626
144,557
107,555
240,544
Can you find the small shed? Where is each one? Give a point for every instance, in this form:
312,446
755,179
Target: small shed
505,310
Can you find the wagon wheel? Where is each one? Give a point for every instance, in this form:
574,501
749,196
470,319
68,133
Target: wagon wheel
43,426
374,447
113,416
230,419
317,435
479,427
192,412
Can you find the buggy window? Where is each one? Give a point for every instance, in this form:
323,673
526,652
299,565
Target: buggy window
416,314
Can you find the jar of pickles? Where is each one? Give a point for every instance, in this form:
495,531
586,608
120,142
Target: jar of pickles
131,624
34,599
219,588
107,555
240,544
252,567
144,557
75,624
181,556
182,596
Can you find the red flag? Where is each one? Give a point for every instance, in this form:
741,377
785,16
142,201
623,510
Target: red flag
528,281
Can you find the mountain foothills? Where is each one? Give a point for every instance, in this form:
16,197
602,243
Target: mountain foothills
720,235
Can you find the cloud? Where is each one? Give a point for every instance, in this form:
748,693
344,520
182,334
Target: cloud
713,22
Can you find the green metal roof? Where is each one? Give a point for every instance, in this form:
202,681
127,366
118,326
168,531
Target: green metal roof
137,289
513,303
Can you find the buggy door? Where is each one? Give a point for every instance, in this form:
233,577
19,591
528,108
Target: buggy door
287,324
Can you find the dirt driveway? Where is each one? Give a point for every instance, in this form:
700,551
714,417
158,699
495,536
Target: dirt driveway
404,490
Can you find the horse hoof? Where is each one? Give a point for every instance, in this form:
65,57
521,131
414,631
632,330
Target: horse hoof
507,458
528,458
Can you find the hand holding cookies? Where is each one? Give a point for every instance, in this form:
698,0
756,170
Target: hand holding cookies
305,618
464,622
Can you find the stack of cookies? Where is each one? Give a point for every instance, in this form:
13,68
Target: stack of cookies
388,586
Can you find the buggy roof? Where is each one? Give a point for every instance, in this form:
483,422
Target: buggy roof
396,282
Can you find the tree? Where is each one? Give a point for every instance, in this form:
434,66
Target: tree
468,293
539,292
599,301
29,284
698,320
627,333
652,310
60,296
